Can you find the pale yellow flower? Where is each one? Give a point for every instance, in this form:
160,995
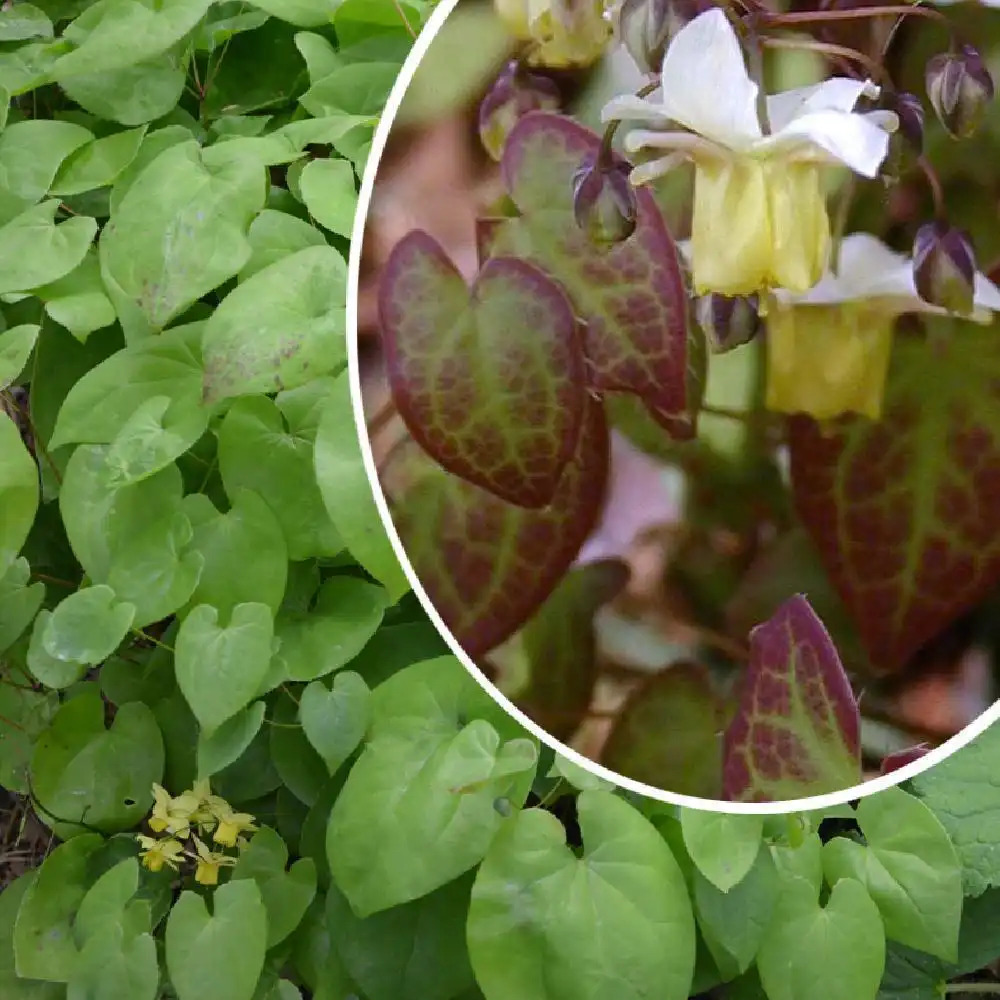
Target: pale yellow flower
157,853
208,863
565,32
171,815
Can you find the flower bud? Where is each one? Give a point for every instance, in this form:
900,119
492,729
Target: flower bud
728,321
646,27
900,758
944,267
513,95
959,87
910,113
604,201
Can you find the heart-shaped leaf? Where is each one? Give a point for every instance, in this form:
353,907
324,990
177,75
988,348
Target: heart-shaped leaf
487,590
335,721
909,866
723,846
846,937
796,728
220,667
613,924
631,297
490,382
87,626
18,491
221,954
16,345
904,511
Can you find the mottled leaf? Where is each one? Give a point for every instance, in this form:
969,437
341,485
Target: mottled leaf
796,728
489,381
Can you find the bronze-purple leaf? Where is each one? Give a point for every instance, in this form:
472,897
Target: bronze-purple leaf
489,381
487,565
796,731
631,296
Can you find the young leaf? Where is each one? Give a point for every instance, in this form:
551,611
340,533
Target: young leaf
220,667
335,721
796,729
417,809
631,297
489,380
669,734
379,951
347,493
486,592
612,924
49,670
18,491
286,894
723,846
296,308
329,191
222,954
902,510
909,867
87,626
845,938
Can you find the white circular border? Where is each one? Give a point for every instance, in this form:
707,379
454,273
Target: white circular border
434,23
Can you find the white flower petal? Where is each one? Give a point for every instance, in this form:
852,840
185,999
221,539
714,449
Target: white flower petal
705,83
987,294
628,107
844,137
644,173
836,94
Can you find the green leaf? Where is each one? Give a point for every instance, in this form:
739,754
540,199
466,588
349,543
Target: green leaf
47,669
612,924
329,191
18,491
180,231
219,748
335,721
723,846
300,767
845,937
24,715
276,235
287,483
19,602
12,986
100,404
296,308
733,923
85,773
418,807
286,894
31,153
416,951
909,868
16,345
218,955
220,667
153,144
356,88
98,163
43,935
36,251
106,901
347,492
243,550
115,966
114,34
346,614
87,626
803,861
24,21
304,13
77,300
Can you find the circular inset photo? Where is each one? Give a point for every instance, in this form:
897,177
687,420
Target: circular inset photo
677,354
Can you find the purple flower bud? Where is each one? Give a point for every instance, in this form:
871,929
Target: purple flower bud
646,27
513,95
604,201
959,87
727,321
944,267
910,113
900,758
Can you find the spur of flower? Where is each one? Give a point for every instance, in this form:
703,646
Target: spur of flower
759,218
828,349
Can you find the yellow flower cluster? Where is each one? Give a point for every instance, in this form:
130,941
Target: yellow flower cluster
564,33
196,811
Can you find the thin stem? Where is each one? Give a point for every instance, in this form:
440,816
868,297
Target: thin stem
382,418
402,16
972,988
876,71
813,16
149,638
934,183
37,442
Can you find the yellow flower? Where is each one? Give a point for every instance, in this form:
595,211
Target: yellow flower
209,862
172,815
157,853
231,824
760,218
828,349
565,32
